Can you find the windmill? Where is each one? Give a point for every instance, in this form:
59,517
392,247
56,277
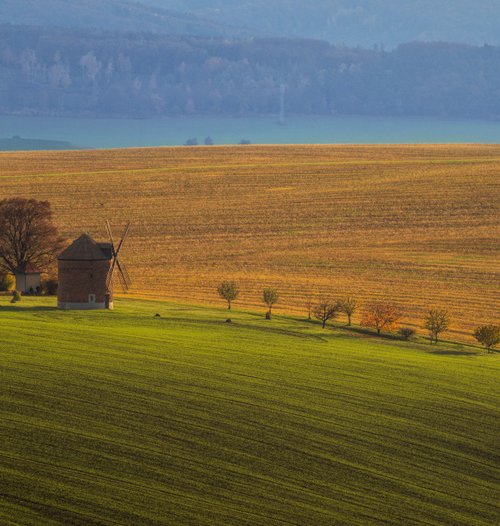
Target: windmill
123,275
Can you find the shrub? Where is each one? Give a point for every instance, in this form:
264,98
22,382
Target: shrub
407,333
6,282
16,296
50,287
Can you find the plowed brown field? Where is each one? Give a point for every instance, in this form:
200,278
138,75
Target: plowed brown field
417,225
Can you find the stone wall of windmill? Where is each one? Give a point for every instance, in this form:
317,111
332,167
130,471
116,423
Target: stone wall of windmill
83,269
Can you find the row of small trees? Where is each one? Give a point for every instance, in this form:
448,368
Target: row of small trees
380,316
193,141
229,291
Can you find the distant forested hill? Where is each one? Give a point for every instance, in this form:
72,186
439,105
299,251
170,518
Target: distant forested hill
18,143
366,23
120,15
355,22
93,72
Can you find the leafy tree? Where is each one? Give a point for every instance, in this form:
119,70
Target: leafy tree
270,297
436,322
208,141
27,234
488,335
348,306
192,141
326,310
228,290
381,316
407,333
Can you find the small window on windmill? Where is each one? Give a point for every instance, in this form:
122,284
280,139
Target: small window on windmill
91,298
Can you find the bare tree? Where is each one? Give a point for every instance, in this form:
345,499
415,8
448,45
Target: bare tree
436,322
270,297
488,335
228,290
27,234
326,310
309,306
348,306
381,316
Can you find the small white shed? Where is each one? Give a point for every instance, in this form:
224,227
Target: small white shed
28,278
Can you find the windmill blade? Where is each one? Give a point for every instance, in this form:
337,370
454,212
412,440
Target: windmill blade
108,228
124,270
121,279
125,234
109,277
123,276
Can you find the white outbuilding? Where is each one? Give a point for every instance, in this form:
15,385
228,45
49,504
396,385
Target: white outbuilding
28,278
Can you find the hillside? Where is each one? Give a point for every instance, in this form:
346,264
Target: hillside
19,143
101,73
363,22
116,15
417,225
124,418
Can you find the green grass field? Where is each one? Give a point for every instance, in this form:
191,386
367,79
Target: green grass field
123,418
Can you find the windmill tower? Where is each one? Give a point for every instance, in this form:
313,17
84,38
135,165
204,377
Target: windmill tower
86,271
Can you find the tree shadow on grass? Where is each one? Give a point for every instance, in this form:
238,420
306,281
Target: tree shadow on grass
13,308
449,352
365,331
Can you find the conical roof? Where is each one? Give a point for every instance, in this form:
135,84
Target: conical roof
84,249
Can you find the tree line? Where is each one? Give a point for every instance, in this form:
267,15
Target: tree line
102,73
378,316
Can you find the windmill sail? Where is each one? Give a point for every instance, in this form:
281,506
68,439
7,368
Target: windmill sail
123,275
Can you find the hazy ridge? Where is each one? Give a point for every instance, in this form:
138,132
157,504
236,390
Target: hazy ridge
117,15
359,22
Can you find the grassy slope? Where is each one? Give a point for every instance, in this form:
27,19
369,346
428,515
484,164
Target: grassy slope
123,418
